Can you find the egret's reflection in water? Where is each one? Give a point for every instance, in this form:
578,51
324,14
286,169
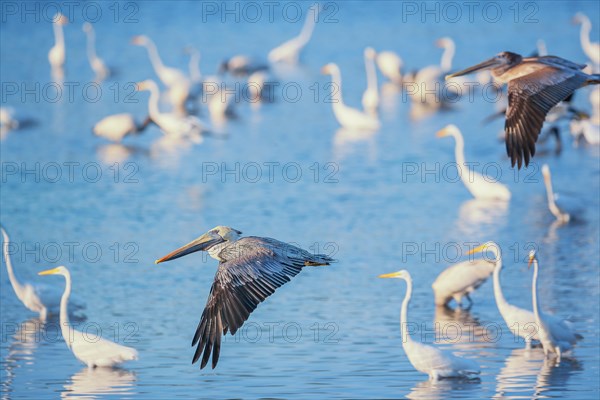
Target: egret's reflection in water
99,382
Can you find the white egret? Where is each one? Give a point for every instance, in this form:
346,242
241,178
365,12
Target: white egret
99,352
41,299
347,117
177,82
459,280
98,66
479,186
56,55
189,127
115,127
588,126
591,49
370,98
554,209
557,336
289,51
390,65
425,358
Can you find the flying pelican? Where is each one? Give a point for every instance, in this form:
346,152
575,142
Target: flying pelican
370,99
290,51
556,337
459,280
521,322
557,212
475,183
250,269
241,66
98,352
390,65
56,55
98,66
591,49
38,298
115,127
535,85
189,127
428,359
178,84
347,117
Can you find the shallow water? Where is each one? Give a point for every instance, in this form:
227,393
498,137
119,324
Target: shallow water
378,203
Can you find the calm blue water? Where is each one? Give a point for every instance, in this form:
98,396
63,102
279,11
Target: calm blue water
108,211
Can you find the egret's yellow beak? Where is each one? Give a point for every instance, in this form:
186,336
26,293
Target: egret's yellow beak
531,258
49,272
477,249
324,70
391,275
442,133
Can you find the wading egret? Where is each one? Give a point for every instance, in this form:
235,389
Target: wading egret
116,127
98,66
428,359
459,280
98,352
557,212
290,51
250,269
591,49
370,98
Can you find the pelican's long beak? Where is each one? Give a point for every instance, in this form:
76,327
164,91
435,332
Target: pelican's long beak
204,242
49,272
441,133
483,65
477,249
391,275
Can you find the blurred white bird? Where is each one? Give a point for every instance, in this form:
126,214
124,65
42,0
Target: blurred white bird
347,117
98,352
390,65
477,184
428,359
556,337
459,280
554,209
56,55
98,66
591,49
370,99
41,299
289,51
115,127
188,127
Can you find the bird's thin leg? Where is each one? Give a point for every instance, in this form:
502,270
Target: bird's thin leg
470,301
528,344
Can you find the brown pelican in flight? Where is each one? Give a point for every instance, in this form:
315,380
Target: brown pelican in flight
535,85
250,269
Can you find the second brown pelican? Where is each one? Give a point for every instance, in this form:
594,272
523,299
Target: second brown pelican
535,85
250,269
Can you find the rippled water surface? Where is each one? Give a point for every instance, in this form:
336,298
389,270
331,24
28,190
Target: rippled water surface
330,332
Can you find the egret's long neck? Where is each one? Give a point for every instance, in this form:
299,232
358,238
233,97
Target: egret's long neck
446,62
371,74
17,287
91,46
534,291
307,28
336,91
59,37
403,314
153,103
584,34
550,194
65,325
500,300
155,58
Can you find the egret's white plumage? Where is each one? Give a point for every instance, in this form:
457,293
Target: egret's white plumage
370,98
347,117
554,209
425,358
591,49
56,55
459,280
41,299
98,352
557,336
115,127
477,184
188,127
390,65
98,66
289,51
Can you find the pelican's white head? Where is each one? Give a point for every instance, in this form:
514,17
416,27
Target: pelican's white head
210,240
62,270
402,274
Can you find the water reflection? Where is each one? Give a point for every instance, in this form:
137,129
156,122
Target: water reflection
93,383
555,376
117,153
443,389
21,350
474,214
344,142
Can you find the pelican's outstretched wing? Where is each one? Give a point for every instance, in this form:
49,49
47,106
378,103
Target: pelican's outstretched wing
253,269
530,97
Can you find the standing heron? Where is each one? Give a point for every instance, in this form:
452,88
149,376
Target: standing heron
591,49
250,270
535,85
98,66
459,280
289,51
560,215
